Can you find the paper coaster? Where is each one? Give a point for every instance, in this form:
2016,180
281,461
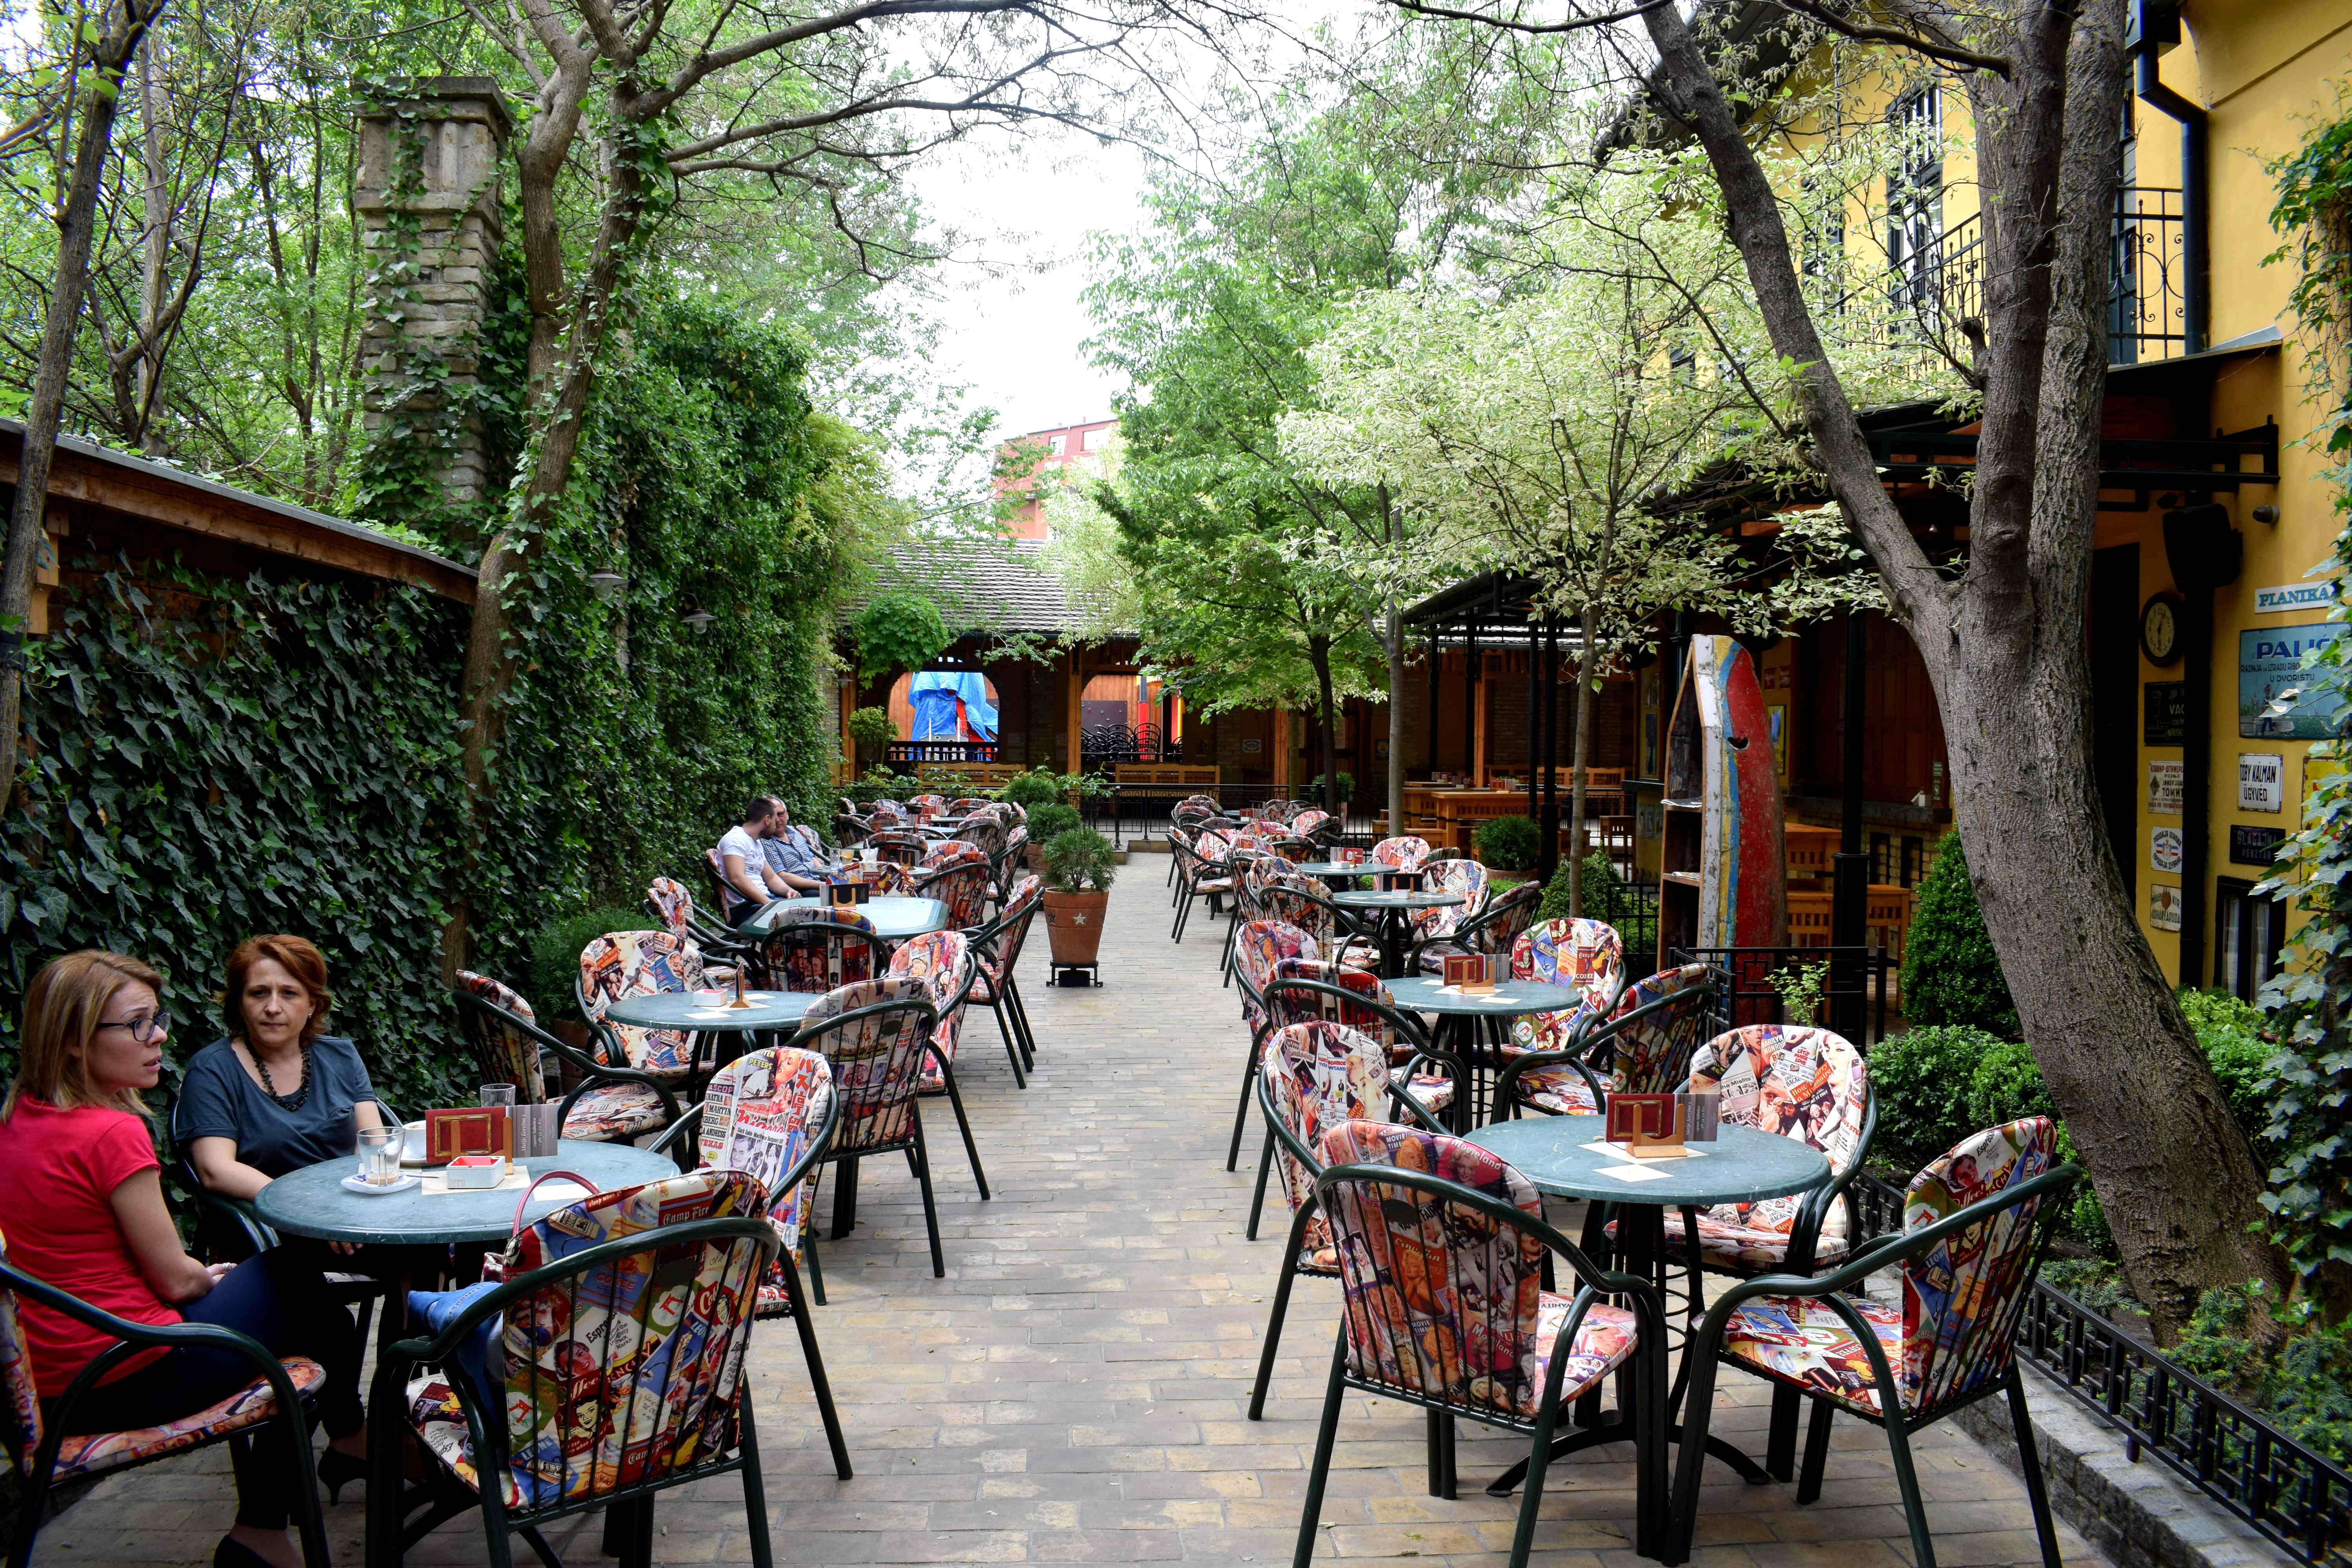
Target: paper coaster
1633,1172
437,1183
1619,1152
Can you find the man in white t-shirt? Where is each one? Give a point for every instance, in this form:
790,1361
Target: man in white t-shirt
745,865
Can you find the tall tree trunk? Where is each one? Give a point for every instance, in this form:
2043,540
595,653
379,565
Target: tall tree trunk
1318,655
2004,645
1395,780
110,54
1584,758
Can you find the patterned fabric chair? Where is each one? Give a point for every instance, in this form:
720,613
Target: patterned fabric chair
878,1036
962,887
1203,870
1466,879
1976,1225
669,901
929,805
1583,955
950,852
888,812
823,948
612,1103
899,846
1493,931
1318,991
1645,1047
1803,1083
1441,1252
616,1380
42,1455
734,907
640,963
1297,899
1309,820
996,949
1404,853
942,960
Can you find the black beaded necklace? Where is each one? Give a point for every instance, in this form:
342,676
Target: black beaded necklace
302,1091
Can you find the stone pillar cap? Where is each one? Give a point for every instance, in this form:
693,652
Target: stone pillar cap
447,90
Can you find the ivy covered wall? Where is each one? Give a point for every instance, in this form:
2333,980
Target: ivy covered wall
211,758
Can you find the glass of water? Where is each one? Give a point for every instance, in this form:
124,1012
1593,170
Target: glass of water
379,1148
495,1095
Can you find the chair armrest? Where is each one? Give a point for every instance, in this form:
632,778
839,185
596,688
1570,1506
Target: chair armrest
688,1126
1505,1097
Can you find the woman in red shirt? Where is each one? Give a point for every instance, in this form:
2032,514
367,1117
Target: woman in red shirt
81,1208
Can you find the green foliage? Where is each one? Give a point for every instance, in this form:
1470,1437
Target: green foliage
1079,858
899,631
1052,820
218,759
1510,843
1038,786
1346,786
1607,897
1950,974
2301,1380
555,947
2311,1077
871,727
1801,986
1923,1077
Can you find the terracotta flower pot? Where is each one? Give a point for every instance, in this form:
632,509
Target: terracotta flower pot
1074,925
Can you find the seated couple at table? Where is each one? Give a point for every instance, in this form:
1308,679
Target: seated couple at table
81,1205
765,857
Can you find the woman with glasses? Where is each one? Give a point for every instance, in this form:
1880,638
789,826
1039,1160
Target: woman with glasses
82,1206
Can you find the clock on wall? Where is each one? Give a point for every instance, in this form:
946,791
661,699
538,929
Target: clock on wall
2160,629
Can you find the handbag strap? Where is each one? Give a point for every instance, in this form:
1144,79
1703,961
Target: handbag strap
524,1202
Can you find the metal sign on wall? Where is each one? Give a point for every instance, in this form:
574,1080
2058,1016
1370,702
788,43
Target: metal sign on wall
2255,846
2164,718
2261,781
2168,778
2164,849
2271,676
2164,906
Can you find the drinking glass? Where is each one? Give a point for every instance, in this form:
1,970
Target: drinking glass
380,1156
869,855
498,1094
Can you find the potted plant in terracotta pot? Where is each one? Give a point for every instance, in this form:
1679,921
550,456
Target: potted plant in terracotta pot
1078,872
1047,822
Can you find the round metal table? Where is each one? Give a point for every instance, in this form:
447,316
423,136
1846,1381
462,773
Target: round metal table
1568,1157
313,1202
711,1012
1459,1013
894,919
1395,911
1338,871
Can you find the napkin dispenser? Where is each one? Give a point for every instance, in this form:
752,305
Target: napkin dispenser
1470,971
847,894
475,1172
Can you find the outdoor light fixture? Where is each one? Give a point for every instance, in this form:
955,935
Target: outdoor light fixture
699,618
606,584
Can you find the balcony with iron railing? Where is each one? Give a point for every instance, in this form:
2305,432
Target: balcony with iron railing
1937,290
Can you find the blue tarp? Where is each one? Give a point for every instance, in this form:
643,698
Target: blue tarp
951,705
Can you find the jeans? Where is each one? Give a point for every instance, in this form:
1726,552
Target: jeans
277,1297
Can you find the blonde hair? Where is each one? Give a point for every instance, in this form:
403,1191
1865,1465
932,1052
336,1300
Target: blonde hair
63,1008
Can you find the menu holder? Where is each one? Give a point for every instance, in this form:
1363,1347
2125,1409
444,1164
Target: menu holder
1471,972
452,1134
848,894
1702,1115
1647,1126
536,1129
1393,881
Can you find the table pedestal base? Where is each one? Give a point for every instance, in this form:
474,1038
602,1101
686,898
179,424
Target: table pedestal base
1615,1429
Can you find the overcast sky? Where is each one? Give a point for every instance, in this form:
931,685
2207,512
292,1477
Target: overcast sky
1014,320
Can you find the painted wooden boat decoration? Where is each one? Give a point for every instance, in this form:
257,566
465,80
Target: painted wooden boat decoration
1724,881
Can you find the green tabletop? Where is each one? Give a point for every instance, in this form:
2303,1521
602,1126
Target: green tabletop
1743,1165
893,918
313,1201
1327,870
1509,998
1396,900
710,1012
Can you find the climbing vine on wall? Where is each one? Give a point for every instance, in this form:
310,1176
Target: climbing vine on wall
2311,1115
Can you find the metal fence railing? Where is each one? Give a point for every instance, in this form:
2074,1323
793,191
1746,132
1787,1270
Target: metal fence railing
2299,1498
1854,995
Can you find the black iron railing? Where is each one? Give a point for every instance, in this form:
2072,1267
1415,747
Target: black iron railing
1855,986
1100,744
920,751
2298,1498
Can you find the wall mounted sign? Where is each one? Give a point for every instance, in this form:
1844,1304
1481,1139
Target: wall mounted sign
2160,629
2315,595
1252,746
2255,846
2164,849
2164,713
2271,675
2164,906
2261,781
2166,782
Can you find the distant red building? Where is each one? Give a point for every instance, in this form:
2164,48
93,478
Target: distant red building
1059,450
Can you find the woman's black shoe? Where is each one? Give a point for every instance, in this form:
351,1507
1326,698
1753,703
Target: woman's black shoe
233,1554
338,1469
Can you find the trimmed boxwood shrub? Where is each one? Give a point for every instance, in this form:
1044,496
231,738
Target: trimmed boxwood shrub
1509,843
1037,788
555,957
1923,1079
1951,974
1050,821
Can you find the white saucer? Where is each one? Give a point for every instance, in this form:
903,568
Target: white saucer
355,1184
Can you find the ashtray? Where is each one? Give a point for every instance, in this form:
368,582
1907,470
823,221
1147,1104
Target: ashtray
371,1189
473,1172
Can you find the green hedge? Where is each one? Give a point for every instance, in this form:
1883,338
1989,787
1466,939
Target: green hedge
1509,843
1950,974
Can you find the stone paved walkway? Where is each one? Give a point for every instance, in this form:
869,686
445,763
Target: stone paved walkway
1074,1389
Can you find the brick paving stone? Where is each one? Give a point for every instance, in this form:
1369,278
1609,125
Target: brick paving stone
1076,1389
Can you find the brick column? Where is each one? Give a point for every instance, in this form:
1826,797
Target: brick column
464,125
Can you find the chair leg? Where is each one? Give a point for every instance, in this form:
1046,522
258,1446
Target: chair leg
1011,1046
816,1270
1240,1110
1283,1282
2037,1489
1320,1470
816,1358
1443,1482
1817,1446
755,1492
930,1209
30,1502
1907,1481
1225,957
1682,1508
620,1535
1780,1447
964,1123
1021,1022
1531,1489
1258,1203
